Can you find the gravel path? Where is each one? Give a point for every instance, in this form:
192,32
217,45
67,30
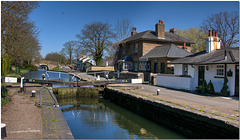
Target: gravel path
21,116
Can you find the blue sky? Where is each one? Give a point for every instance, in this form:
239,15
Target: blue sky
60,21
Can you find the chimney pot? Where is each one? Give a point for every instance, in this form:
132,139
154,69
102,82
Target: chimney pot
210,33
134,31
216,33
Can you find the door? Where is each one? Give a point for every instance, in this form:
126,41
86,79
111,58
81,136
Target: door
237,80
155,68
162,67
201,72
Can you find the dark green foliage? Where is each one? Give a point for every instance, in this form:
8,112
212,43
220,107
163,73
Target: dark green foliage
30,67
210,88
202,88
4,95
224,89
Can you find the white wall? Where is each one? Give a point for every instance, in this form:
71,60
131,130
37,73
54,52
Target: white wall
178,69
231,79
175,82
193,72
218,82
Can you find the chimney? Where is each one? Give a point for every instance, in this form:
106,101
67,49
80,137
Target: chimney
172,30
213,41
160,29
209,33
134,31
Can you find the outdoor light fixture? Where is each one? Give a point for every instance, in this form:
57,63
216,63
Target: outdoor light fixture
33,93
158,90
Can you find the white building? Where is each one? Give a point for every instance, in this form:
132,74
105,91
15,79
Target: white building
81,62
212,64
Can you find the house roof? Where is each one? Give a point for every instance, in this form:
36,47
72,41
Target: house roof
151,35
165,51
127,58
214,57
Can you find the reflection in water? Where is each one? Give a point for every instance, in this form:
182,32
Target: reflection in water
93,118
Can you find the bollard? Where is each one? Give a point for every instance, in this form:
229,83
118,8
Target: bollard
158,91
3,130
33,93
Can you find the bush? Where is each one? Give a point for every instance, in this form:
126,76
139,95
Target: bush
202,88
30,67
224,89
4,95
210,88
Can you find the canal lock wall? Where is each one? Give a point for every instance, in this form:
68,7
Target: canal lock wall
182,120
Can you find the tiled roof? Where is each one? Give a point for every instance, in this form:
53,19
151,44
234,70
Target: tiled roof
165,51
151,35
214,57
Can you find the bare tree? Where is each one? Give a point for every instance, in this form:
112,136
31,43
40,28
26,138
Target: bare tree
123,29
68,49
95,38
227,25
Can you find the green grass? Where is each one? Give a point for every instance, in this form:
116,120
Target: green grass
57,68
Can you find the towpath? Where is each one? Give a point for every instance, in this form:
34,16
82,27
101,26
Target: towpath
222,107
24,118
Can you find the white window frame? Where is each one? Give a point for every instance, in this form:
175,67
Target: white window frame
135,47
142,65
220,70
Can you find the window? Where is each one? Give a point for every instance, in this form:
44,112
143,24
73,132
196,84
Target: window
148,65
220,70
185,69
172,69
135,48
125,66
142,66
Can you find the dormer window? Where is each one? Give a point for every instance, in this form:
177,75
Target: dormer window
135,48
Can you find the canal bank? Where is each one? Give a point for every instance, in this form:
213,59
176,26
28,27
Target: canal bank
24,118
192,122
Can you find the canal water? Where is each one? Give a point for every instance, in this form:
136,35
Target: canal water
96,118
50,75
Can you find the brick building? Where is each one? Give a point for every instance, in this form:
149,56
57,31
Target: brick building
150,51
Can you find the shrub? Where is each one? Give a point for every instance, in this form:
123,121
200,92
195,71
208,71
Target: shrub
210,87
4,95
202,88
224,89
